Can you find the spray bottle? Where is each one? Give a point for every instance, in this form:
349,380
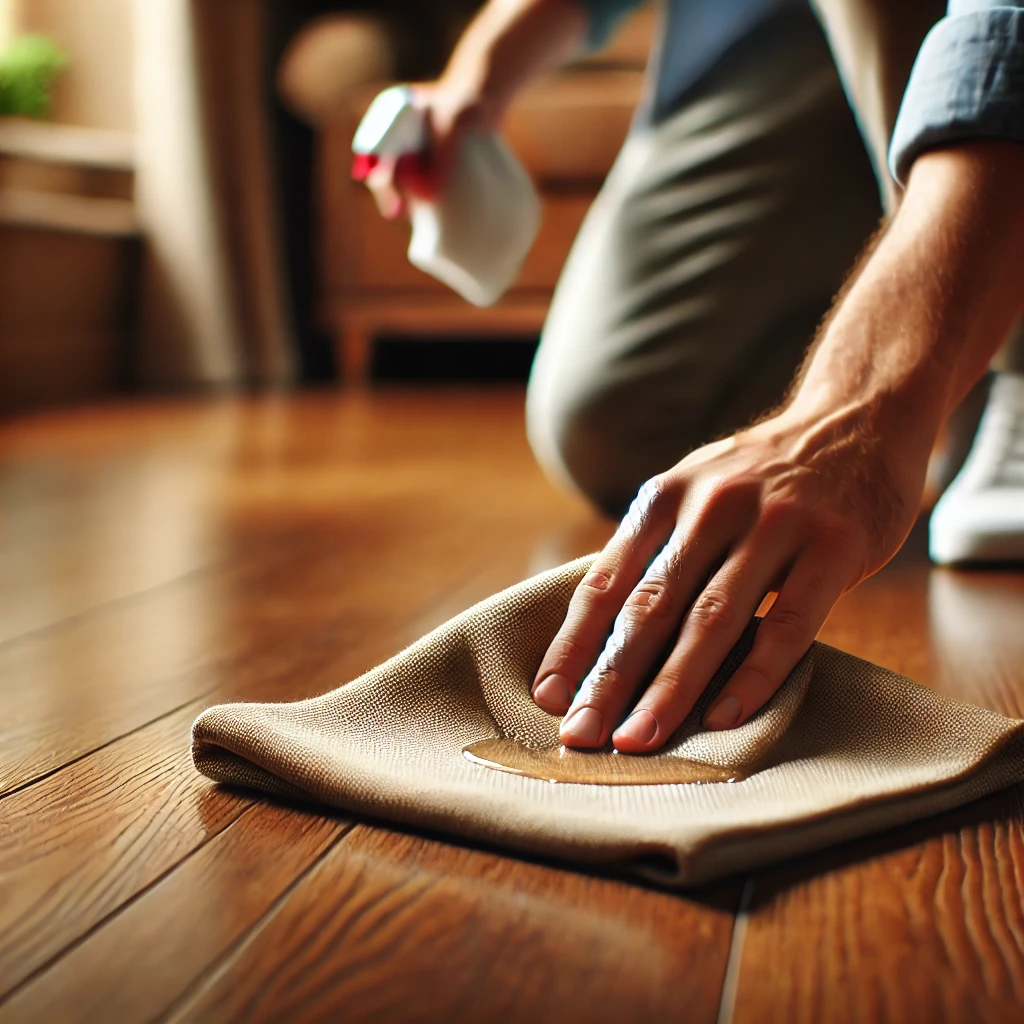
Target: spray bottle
476,234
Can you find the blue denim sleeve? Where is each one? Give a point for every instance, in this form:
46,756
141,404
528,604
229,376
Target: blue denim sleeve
604,17
967,82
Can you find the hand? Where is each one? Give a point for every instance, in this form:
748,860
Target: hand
506,44
804,505
452,108
810,502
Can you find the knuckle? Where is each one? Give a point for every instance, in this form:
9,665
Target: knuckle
713,610
565,656
780,512
672,693
729,496
564,651
596,581
595,591
658,489
717,493
649,501
601,684
789,626
650,598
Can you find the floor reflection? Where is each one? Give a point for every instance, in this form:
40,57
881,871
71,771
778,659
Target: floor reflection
977,628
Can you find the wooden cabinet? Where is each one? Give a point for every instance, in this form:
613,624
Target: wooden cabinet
68,262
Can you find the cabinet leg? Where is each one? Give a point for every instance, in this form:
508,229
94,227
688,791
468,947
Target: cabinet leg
353,348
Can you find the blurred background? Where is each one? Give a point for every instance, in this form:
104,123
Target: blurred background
176,210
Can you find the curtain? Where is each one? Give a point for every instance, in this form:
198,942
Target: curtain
214,307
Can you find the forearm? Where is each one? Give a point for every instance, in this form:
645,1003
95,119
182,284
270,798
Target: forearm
936,298
509,42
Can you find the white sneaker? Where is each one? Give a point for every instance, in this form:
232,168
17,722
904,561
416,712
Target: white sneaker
981,515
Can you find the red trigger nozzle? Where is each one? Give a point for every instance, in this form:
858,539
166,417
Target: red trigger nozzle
362,164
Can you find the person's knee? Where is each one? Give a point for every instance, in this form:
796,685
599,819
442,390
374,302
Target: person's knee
568,440
583,435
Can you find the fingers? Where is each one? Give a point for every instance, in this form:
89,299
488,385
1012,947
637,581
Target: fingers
383,185
395,181
598,599
782,639
648,622
711,628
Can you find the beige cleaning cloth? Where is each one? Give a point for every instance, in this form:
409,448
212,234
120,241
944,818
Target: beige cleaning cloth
844,748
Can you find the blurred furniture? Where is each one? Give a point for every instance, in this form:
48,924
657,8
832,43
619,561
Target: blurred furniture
68,251
567,129
176,92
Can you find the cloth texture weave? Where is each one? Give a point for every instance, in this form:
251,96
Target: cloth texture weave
844,748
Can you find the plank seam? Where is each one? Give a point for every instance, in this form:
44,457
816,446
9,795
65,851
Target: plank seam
218,966
202,698
731,981
107,918
101,609
22,786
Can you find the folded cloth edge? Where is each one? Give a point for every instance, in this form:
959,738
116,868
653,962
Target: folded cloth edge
732,850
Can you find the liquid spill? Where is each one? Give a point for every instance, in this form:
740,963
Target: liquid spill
593,767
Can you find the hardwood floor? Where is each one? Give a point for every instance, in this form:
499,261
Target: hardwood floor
160,557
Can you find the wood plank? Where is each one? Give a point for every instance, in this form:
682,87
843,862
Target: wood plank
282,628
316,563
315,537
331,557
84,492
925,923
956,631
391,926
135,777
221,636
104,503
149,954
79,844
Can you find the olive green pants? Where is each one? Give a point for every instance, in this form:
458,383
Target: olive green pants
704,266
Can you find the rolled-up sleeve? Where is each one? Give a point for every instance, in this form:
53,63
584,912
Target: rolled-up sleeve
967,82
604,17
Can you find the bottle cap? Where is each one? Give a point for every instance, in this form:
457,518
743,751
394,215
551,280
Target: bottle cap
392,125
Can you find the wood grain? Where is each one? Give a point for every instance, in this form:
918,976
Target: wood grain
157,557
76,846
289,552
147,956
397,927
927,922
313,539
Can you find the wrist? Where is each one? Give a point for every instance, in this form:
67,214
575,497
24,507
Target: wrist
467,88
935,299
507,43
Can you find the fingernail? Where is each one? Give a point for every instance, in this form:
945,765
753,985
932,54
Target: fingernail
552,694
723,715
640,727
584,726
